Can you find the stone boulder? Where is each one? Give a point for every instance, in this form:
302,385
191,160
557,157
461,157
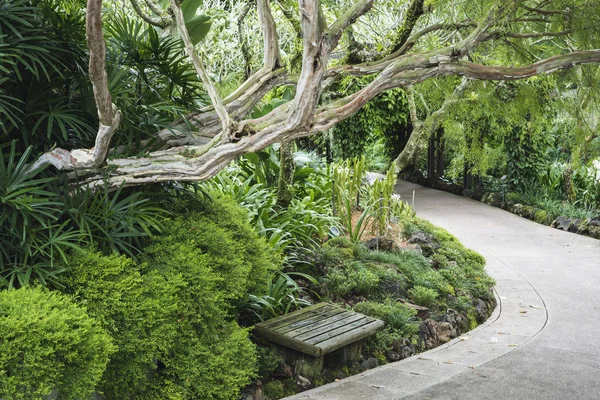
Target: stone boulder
494,199
428,334
381,243
401,349
562,223
425,242
457,320
481,311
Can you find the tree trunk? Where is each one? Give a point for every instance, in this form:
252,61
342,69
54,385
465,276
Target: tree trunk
286,174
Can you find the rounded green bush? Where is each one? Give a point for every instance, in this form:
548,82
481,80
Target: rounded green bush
172,316
48,343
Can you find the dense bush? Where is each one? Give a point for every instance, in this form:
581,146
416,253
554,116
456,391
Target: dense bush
218,228
172,315
48,343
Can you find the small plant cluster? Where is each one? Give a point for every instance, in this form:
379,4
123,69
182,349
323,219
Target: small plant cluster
366,206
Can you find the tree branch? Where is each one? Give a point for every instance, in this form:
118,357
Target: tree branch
270,41
360,7
544,12
159,21
422,130
201,71
244,41
412,15
108,114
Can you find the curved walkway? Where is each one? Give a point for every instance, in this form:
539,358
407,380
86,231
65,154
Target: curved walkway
542,341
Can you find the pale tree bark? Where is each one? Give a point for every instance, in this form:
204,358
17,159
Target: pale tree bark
226,123
108,114
422,130
193,155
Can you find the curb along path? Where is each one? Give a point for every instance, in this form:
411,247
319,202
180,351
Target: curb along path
541,342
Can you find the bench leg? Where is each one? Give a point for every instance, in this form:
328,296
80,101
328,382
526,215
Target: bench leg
309,367
343,356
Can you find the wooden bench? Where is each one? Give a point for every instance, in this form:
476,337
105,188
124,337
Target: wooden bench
317,336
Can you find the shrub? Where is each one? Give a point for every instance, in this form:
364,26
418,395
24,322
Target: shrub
273,390
136,310
46,343
170,323
408,262
396,315
355,278
423,296
219,229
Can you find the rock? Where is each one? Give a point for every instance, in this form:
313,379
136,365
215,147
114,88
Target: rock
446,332
584,227
485,196
562,223
541,217
516,209
422,312
304,383
527,212
428,333
369,363
458,321
594,231
595,222
425,241
401,349
467,193
494,199
481,311
381,243
575,226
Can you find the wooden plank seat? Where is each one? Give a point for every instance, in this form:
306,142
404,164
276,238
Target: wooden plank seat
317,331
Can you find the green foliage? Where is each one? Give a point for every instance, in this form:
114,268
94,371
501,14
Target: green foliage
354,278
409,263
396,315
218,228
384,118
424,296
44,93
151,79
49,343
282,296
33,238
112,220
164,316
306,220
268,361
273,390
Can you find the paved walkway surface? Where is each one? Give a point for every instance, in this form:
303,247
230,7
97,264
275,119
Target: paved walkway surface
542,342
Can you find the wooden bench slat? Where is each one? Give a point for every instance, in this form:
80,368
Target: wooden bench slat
337,331
273,323
329,320
318,330
292,343
317,319
350,337
347,319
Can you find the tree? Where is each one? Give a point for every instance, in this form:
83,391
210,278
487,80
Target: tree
432,39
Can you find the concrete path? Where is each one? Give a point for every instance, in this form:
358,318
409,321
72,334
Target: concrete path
542,342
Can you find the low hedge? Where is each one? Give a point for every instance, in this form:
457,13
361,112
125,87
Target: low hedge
48,343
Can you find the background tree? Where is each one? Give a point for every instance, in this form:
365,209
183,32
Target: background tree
429,40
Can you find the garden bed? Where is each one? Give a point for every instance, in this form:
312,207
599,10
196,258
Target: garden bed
421,282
